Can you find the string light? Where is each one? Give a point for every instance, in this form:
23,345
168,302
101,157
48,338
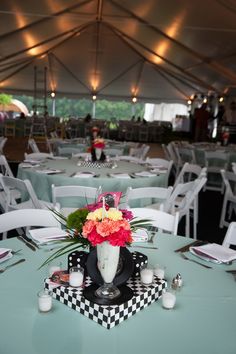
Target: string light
53,94
189,102
205,100
134,99
221,99
94,97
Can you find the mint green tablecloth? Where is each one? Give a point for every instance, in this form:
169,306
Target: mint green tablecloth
42,183
203,321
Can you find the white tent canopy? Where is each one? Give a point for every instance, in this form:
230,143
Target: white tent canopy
157,50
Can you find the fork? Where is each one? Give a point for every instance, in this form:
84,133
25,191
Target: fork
193,260
11,265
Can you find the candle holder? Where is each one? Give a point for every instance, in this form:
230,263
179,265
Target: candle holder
168,299
146,275
76,276
44,300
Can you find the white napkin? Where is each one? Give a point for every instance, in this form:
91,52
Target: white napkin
28,165
120,175
158,170
59,158
140,235
84,174
214,252
5,253
47,234
144,174
49,171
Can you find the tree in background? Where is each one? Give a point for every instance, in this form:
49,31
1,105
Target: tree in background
66,107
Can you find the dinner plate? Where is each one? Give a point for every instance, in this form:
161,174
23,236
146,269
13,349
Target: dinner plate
84,174
47,234
124,271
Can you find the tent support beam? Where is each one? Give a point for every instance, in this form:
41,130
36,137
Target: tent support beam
220,69
50,17
70,72
193,77
120,75
154,65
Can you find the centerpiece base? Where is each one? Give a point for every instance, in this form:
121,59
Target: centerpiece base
108,316
125,294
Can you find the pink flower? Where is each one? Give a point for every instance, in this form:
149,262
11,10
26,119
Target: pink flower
127,214
88,227
106,227
120,238
94,238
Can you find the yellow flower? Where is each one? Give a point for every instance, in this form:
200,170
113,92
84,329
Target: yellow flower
114,214
95,215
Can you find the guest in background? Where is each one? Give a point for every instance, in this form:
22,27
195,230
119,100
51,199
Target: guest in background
201,117
88,118
229,116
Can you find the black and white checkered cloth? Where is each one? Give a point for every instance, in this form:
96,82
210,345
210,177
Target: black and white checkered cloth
109,316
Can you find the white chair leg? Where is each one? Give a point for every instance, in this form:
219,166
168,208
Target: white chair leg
223,212
187,224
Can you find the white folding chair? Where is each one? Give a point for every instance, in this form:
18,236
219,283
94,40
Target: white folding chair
229,179
189,172
158,218
188,192
63,195
215,161
26,197
26,218
5,169
230,236
32,144
161,163
113,152
3,141
151,197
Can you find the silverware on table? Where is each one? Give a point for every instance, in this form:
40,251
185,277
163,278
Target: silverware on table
186,247
28,239
148,247
193,260
15,252
28,244
2,270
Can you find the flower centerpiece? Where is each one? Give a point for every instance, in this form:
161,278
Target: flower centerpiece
98,146
104,227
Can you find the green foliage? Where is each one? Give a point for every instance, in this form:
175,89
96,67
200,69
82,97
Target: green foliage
5,99
66,107
76,219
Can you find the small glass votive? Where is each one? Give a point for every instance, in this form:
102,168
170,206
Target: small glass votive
44,300
159,271
168,299
146,275
76,276
53,267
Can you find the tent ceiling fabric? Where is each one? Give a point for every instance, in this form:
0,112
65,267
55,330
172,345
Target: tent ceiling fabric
161,51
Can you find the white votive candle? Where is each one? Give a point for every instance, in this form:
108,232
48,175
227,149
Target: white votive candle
76,277
44,301
168,300
146,276
159,272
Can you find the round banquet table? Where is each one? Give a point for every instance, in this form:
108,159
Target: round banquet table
42,182
203,320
